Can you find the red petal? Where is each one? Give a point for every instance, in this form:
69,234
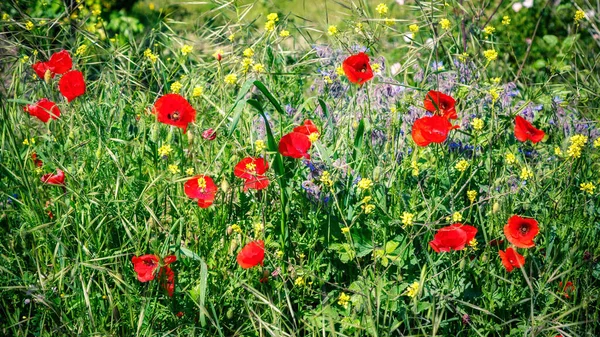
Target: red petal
72,85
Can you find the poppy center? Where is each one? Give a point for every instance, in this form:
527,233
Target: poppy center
202,184
175,116
363,68
524,229
251,168
149,263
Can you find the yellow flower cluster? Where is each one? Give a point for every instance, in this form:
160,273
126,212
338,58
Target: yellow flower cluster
176,87
579,15
462,165
365,184
477,124
258,68
284,33
597,143
165,150
186,49
81,50
412,290
150,56
587,187
248,52
577,144
231,79
197,92
456,217
300,281
259,145
30,141
445,24
326,179
345,230
415,168
407,218
526,173
506,20
510,158
189,171
472,195
29,25
271,19
343,300
489,30
332,30
174,169
473,244
490,55
413,28
382,9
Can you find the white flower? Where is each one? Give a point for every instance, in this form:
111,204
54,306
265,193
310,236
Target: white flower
517,6
528,3
395,68
408,37
400,2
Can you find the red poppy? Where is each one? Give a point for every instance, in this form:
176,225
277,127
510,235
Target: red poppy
209,134
252,254
453,237
308,128
431,129
357,68
521,231
524,131
174,110
44,109
568,289
443,104
59,63
179,314
72,85
145,266
511,259
166,278
202,188
295,145
252,170
54,179
37,162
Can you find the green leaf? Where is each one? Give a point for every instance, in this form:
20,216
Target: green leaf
551,40
269,96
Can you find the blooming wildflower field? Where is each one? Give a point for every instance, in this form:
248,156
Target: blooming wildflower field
290,168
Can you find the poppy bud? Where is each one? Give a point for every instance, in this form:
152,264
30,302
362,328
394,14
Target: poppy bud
209,134
229,230
190,138
233,246
495,207
462,263
466,319
47,76
230,311
224,185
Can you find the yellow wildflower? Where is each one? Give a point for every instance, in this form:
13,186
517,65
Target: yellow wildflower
495,94
382,9
326,179
5,16
389,22
165,150
327,79
506,20
300,281
29,25
415,168
248,52
24,59
270,26
445,24
189,171
231,79
258,68
558,151
489,30
412,290
473,244
526,173
456,217
81,50
365,184
96,12
197,92
150,56
259,145
490,55
376,67
186,49
236,228
463,57
359,27
343,300
345,230
151,6
284,33
407,218
332,30
510,158
472,195
174,169
579,15
246,64
577,144
477,124
368,208
176,87
413,28
273,17
597,143
587,187
462,165
279,254
313,137
231,37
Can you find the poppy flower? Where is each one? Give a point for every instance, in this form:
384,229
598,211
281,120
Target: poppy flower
37,162
54,179
431,129
59,63
72,85
174,110
202,188
209,134
511,259
308,128
453,237
252,254
44,110
521,231
357,68
295,145
568,289
166,278
252,170
524,131
443,104
145,266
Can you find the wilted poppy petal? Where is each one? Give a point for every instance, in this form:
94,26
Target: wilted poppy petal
54,179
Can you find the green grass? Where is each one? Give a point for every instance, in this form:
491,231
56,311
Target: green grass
335,266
